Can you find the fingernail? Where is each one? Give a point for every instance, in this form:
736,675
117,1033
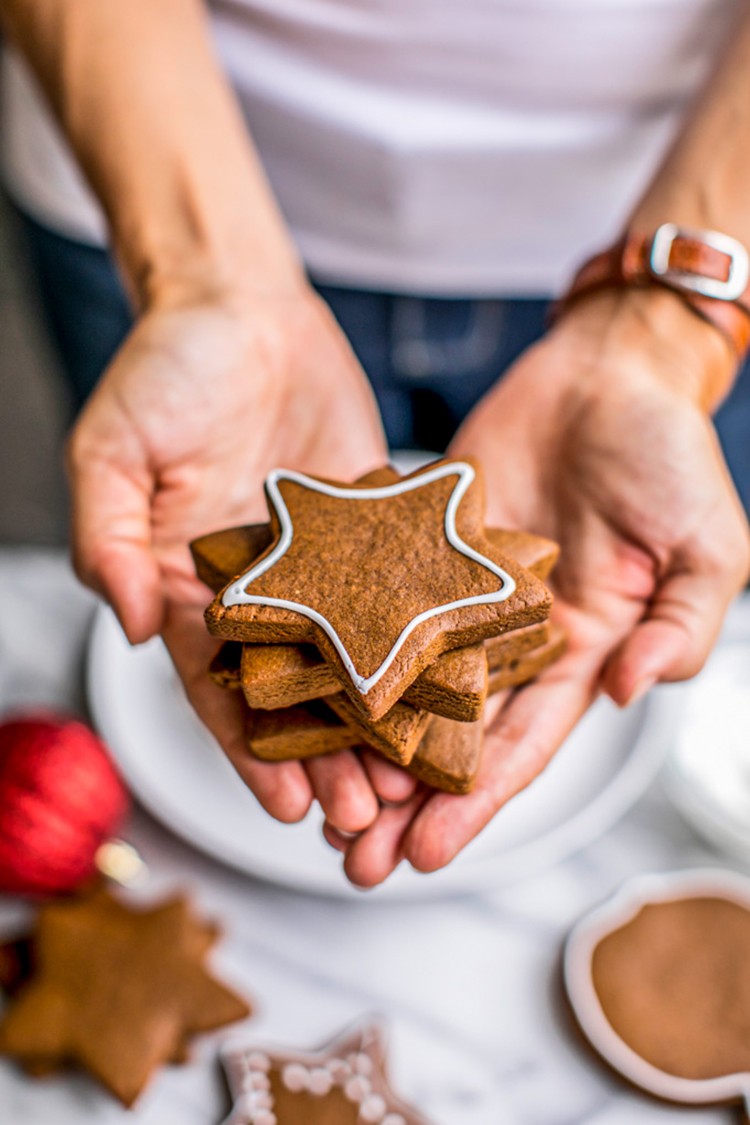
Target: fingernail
335,839
641,688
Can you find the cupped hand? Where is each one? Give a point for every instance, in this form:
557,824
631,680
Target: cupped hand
205,397
595,438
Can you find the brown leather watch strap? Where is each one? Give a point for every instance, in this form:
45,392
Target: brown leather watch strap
709,270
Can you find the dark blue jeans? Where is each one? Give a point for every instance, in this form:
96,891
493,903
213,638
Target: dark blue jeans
429,359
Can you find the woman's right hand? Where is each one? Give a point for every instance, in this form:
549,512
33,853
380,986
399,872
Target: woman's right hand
209,392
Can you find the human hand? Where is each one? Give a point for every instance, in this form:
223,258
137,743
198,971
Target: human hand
208,394
597,438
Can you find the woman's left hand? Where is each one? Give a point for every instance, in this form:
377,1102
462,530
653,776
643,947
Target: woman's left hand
598,438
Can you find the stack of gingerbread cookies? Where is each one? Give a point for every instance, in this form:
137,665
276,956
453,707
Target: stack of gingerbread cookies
378,614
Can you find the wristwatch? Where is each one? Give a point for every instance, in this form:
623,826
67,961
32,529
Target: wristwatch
709,270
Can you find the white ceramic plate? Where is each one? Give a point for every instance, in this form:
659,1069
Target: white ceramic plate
707,774
179,774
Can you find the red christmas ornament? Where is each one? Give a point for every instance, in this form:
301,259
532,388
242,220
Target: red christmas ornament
60,799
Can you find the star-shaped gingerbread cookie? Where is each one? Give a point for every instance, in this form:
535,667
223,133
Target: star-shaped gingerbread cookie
274,675
223,555
16,961
18,965
344,1083
115,990
416,579
444,753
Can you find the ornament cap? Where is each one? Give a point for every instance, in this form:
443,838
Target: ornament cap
121,862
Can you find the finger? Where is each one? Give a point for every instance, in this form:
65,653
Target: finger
495,704
518,745
675,637
111,538
392,784
376,853
343,790
338,840
282,788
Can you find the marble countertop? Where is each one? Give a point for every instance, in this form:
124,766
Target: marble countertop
468,986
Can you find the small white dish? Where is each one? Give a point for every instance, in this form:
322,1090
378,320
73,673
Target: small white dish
579,982
707,773
178,772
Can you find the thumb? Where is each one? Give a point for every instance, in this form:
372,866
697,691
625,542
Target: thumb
111,538
675,637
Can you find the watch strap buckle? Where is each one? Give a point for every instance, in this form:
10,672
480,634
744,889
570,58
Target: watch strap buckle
689,260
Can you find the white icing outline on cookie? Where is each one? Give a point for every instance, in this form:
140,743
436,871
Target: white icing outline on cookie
614,915
237,594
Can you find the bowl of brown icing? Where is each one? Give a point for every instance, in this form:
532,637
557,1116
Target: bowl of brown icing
658,980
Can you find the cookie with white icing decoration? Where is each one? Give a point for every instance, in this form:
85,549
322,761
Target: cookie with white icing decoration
297,708
276,676
273,676
382,579
659,982
343,1083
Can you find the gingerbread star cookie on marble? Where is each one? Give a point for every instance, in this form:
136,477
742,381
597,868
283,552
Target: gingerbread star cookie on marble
16,963
381,579
17,967
115,990
344,1083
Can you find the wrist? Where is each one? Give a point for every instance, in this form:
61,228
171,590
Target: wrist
191,259
650,330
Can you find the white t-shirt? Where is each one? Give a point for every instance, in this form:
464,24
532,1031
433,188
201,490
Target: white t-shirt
431,146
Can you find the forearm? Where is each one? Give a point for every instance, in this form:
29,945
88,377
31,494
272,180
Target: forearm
704,180
137,90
